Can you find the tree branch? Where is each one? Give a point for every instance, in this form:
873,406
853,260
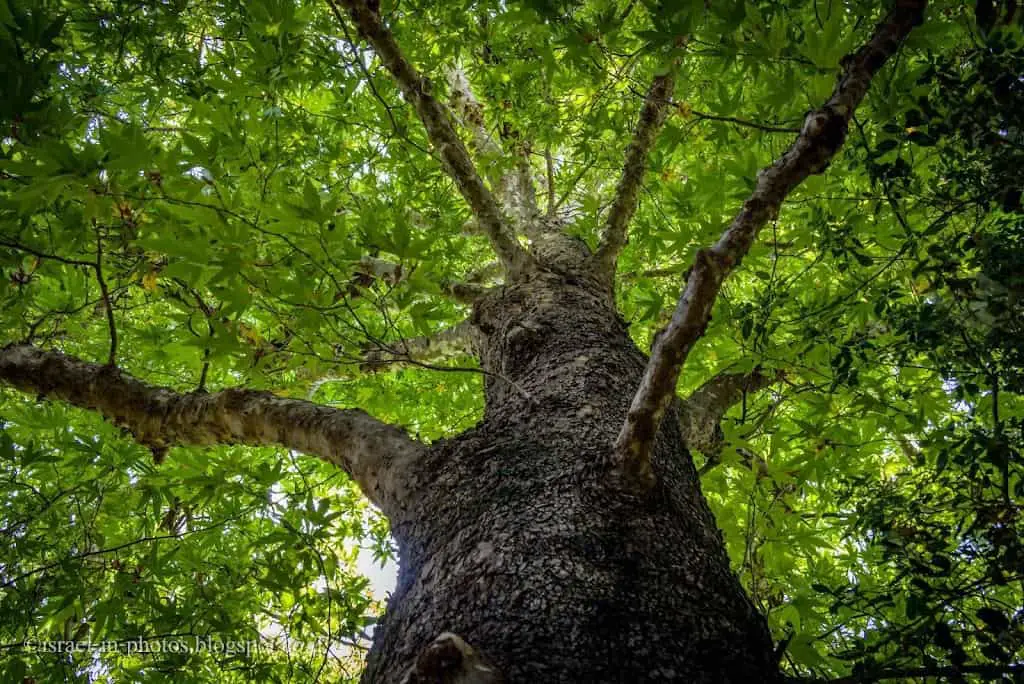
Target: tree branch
748,458
446,344
107,306
437,121
768,128
515,187
474,285
822,135
372,268
549,167
462,292
469,110
652,118
522,193
371,451
701,413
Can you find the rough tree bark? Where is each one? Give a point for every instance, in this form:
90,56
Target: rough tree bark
519,543
564,538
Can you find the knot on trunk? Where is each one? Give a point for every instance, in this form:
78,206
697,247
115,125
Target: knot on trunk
450,660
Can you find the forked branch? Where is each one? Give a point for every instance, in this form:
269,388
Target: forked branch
438,123
371,451
514,186
822,135
627,192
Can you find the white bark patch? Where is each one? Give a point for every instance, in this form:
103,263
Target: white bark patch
484,551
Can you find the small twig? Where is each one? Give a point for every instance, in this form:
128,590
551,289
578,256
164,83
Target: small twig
44,255
98,266
768,128
550,165
405,358
584,169
997,429
358,58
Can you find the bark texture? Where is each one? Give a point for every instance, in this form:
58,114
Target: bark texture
700,415
521,544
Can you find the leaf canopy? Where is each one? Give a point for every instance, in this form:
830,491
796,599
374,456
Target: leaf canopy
217,175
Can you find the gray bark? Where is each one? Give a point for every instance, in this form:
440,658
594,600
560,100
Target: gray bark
522,559
438,124
373,453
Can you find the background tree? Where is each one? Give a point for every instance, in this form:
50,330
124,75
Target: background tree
422,210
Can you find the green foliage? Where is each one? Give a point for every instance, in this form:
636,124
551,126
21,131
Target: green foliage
232,162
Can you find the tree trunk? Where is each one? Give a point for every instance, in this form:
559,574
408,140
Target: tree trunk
565,538
516,540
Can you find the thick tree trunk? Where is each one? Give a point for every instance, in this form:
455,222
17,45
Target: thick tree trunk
518,541
565,538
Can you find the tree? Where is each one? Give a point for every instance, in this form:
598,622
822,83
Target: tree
245,233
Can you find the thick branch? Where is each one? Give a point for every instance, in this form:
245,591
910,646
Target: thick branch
474,285
370,270
437,121
627,192
701,413
371,451
522,195
471,113
443,345
462,292
822,135
514,187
